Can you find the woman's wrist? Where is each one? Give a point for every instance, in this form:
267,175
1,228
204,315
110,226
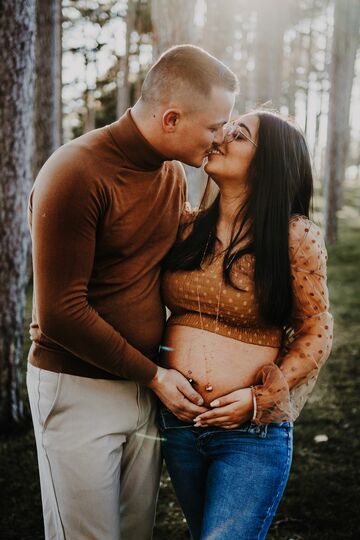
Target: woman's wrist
254,404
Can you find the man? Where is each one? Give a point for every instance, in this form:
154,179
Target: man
104,211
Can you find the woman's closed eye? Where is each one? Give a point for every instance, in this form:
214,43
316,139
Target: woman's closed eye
239,136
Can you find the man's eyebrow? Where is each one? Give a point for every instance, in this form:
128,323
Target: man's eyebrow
219,124
247,129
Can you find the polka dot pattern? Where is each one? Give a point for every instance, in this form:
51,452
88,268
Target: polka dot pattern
281,389
238,314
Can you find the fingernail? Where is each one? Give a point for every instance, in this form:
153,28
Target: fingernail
200,401
197,424
197,419
215,403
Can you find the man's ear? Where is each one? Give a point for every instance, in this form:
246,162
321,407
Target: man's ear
170,120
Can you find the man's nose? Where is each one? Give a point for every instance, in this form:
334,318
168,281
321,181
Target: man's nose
219,136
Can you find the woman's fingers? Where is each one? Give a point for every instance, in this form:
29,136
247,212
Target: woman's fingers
226,399
218,421
238,395
234,414
214,413
223,422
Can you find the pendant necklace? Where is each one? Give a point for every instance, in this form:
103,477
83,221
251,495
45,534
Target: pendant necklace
208,386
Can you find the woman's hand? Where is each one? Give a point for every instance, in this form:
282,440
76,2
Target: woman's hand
229,411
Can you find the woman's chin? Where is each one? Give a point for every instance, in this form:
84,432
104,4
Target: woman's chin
209,165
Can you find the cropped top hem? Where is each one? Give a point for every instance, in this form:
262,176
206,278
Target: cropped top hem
263,336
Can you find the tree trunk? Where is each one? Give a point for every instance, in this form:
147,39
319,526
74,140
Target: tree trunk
345,42
219,30
309,82
47,124
123,89
272,19
173,24
48,85
17,63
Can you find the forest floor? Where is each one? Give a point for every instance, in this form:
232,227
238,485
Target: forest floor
323,492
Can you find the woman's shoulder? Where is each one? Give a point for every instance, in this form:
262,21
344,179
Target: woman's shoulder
306,241
302,229
187,218
188,213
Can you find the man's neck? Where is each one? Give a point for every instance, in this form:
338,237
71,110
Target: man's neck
147,124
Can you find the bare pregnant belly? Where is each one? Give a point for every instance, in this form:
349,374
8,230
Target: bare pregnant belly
210,359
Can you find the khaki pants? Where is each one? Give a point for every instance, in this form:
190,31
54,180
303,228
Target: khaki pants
99,456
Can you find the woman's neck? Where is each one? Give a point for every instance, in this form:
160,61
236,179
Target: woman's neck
229,206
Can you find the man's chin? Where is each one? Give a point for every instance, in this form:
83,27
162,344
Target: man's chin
196,164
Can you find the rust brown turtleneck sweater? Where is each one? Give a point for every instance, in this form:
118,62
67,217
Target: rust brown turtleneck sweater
103,212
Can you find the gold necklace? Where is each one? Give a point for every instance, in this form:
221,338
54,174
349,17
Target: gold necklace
208,386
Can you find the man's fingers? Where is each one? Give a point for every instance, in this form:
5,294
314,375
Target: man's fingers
189,392
189,409
186,407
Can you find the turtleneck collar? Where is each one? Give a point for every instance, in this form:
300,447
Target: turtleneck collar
133,144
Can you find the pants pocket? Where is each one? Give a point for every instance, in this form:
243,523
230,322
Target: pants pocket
167,420
44,391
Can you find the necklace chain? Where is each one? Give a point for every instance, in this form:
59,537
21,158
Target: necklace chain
208,385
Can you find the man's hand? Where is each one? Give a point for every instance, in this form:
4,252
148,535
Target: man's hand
229,411
177,394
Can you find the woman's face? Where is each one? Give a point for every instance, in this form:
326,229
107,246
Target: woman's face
231,160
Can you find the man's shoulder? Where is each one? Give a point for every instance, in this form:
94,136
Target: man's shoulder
177,171
174,174
75,158
83,149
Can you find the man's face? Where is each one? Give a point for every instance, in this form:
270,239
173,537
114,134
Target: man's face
202,127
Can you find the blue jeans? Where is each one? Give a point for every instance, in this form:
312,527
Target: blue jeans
228,482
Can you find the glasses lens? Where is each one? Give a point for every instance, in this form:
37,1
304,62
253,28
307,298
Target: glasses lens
229,132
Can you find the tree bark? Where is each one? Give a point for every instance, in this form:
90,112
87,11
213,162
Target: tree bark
17,63
272,19
344,47
173,24
219,30
47,123
123,90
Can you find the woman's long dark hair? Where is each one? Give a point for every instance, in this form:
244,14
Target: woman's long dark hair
280,184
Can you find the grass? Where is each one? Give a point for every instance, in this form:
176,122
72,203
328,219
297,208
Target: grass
320,501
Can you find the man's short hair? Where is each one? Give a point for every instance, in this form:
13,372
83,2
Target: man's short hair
186,67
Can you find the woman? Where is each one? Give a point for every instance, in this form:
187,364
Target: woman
250,328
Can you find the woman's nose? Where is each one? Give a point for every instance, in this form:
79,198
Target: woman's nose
219,136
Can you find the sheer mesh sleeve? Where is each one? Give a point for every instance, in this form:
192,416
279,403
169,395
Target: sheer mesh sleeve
283,388
187,219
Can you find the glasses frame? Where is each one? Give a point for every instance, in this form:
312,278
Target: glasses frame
229,130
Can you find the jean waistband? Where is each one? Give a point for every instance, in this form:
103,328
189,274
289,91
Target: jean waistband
168,420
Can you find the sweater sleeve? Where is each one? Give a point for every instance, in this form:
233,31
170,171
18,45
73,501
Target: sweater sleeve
66,208
284,388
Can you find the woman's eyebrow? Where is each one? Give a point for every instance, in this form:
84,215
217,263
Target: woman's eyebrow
247,129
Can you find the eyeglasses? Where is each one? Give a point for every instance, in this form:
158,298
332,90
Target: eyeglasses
233,132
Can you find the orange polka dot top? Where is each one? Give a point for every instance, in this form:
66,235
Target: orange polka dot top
281,389
224,310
